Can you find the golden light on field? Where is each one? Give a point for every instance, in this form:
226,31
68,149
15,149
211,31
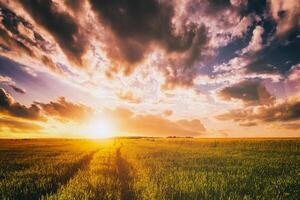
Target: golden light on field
100,128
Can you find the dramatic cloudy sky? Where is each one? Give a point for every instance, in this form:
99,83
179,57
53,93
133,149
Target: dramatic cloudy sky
207,68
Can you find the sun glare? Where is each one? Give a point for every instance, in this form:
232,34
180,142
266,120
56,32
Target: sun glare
100,128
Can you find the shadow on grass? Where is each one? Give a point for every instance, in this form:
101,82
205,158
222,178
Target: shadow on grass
61,181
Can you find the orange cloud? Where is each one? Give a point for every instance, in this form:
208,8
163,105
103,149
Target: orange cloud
20,117
16,126
8,106
17,117
285,114
129,96
154,125
65,111
168,112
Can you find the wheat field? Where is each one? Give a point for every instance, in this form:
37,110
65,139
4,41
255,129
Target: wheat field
150,168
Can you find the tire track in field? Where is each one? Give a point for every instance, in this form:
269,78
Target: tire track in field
123,168
82,164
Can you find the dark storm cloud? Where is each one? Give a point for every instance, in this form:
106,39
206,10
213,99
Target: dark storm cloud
280,112
10,107
212,7
10,43
181,71
137,24
64,110
11,21
251,92
60,24
74,4
255,6
13,38
261,67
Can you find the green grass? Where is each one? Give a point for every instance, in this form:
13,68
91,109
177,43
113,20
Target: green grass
150,168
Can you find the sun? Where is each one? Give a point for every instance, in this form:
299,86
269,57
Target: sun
99,128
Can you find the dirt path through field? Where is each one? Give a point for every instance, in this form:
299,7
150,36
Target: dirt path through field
105,175
124,176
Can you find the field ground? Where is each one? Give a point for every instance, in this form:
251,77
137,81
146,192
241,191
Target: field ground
150,168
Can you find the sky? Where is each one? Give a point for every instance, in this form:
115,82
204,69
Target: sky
199,68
